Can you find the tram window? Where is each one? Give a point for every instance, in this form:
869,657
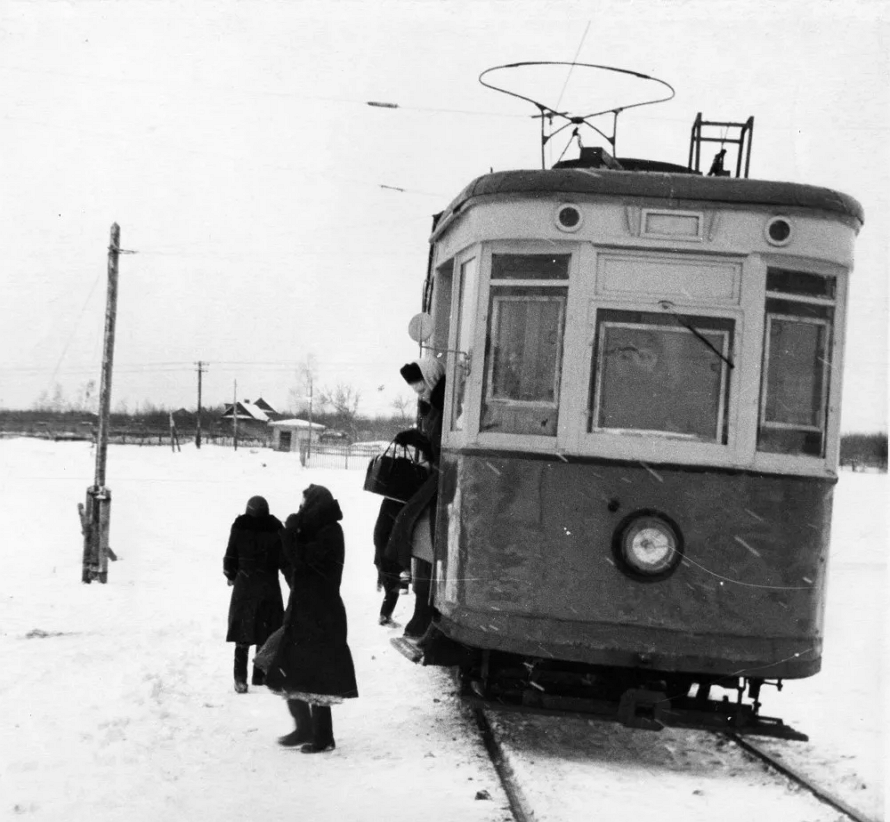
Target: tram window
653,373
800,282
466,305
523,347
794,395
529,266
523,361
440,305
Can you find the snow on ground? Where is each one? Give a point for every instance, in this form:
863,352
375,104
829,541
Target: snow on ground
122,706
118,702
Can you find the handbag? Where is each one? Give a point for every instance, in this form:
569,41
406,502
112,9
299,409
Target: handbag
265,656
394,474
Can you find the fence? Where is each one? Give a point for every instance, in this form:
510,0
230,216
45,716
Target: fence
338,456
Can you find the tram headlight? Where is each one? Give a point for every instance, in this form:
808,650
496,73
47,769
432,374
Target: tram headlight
648,546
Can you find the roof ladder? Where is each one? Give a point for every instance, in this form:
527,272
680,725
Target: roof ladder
743,133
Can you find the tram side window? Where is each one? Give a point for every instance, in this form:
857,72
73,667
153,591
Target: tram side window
523,349
796,356
663,374
466,302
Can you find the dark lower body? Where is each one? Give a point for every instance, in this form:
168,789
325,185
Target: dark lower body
399,547
422,573
258,677
389,576
388,569
314,729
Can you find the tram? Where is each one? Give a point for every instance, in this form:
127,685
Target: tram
641,428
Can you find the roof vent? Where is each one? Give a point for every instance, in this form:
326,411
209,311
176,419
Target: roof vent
591,158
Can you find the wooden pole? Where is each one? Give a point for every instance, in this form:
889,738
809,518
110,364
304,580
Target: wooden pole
309,441
235,416
198,429
96,514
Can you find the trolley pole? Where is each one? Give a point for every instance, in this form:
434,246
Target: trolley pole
201,371
95,515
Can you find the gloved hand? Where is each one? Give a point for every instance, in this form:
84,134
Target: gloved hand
231,582
410,437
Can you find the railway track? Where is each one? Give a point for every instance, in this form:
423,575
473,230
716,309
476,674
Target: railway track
821,792
556,769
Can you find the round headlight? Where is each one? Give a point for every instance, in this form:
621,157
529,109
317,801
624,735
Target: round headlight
648,547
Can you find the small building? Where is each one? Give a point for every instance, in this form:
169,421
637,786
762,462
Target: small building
294,434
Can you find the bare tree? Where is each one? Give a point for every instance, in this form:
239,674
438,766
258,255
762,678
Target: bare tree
401,405
87,399
302,394
343,401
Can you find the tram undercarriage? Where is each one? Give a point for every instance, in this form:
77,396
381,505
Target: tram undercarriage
638,699
649,700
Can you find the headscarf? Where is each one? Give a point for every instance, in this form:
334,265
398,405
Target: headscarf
319,508
428,369
257,507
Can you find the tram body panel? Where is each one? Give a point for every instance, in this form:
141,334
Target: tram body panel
525,564
607,221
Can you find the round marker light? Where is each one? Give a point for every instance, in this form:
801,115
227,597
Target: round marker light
648,547
569,217
778,231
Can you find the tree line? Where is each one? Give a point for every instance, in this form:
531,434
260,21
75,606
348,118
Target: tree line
857,450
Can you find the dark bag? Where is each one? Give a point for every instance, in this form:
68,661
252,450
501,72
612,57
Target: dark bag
265,656
395,475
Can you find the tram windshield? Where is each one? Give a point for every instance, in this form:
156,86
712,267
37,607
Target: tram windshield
652,374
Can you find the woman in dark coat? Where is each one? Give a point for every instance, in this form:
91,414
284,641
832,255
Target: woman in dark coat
312,667
251,564
426,376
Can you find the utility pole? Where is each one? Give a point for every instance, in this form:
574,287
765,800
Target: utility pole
235,416
96,514
309,441
201,370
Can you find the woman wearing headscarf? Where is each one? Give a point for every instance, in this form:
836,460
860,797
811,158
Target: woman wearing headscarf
251,564
426,376
312,667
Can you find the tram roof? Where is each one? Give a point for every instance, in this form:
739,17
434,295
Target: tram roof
731,191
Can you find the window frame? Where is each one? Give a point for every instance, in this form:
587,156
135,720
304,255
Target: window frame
724,401
762,421
568,247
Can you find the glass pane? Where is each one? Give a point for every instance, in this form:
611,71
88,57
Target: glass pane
530,266
522,363
800,282
795,373
466,309
658,377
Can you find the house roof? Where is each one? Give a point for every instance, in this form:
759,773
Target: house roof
296,423
246,411
262,404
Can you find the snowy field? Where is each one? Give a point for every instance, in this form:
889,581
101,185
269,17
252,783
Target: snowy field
117,699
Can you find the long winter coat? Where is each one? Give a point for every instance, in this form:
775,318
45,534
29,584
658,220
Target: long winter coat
427,437
252,561
313,658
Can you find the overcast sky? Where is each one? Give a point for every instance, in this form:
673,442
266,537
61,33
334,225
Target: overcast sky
276,216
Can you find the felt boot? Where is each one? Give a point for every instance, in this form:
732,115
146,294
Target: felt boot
302,733
322,731
241,668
